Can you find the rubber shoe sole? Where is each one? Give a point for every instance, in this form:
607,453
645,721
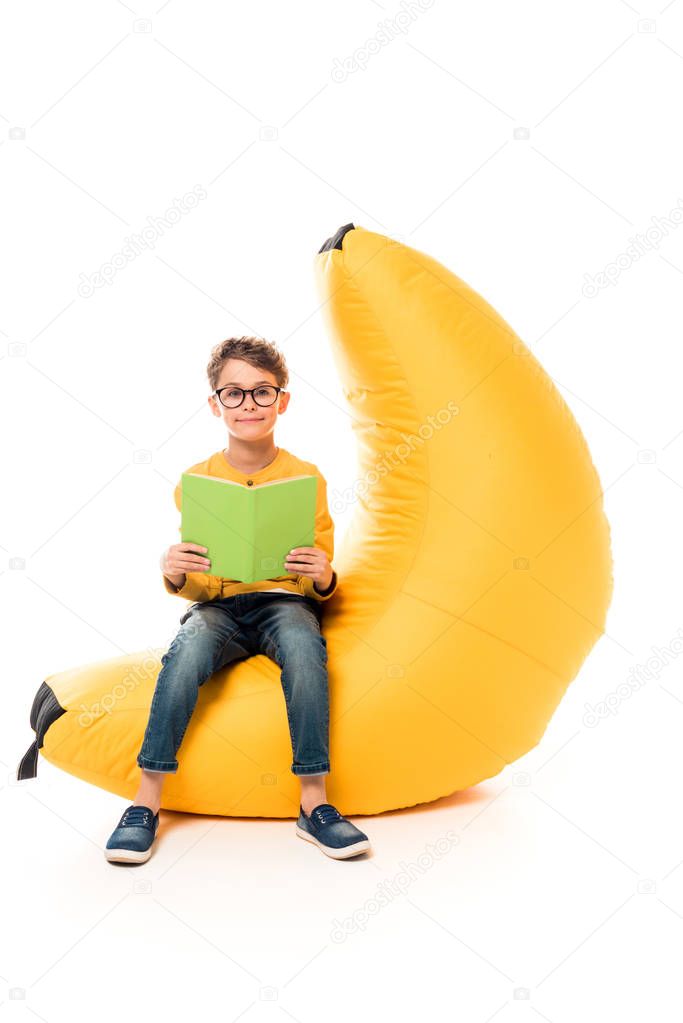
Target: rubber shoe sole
337,854
128,855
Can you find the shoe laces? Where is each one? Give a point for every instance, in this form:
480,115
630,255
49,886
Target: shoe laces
140,816
325,814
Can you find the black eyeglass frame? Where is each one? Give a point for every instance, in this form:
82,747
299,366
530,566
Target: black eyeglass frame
248,390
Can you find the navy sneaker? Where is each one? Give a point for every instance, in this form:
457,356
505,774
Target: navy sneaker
131,840
334,834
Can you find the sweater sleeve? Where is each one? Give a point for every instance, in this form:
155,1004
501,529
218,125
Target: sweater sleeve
324,538
198,586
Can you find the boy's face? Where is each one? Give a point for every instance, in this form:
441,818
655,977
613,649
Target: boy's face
249,421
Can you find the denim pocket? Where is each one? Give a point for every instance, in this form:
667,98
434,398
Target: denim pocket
189,612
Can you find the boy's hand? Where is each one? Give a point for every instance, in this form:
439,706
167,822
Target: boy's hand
178,560
310,561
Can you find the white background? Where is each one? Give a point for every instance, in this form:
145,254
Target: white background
524,146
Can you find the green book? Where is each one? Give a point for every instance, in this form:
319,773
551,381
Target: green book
249,530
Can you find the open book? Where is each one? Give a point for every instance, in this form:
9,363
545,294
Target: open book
249,530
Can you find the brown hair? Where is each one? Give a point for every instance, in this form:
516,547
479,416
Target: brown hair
254,350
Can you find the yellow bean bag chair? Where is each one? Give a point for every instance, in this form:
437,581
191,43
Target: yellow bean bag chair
475,576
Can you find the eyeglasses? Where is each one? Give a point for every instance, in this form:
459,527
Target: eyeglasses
232,397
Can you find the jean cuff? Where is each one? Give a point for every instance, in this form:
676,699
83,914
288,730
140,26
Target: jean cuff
159,766
321,768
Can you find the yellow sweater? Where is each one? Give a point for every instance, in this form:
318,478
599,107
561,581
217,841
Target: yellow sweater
201,586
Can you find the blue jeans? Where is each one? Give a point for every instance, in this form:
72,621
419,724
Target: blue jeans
216,632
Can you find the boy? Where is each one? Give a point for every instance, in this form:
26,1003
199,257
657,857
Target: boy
278,617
